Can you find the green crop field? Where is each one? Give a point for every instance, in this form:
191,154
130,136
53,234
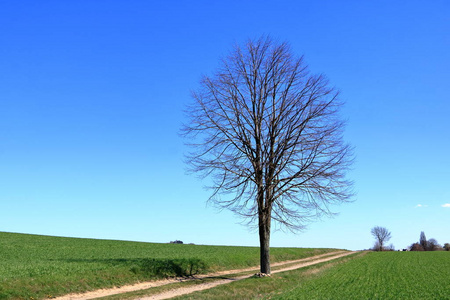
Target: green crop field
380,275
37,267
384,275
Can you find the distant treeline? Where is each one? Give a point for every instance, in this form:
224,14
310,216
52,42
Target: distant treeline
428,245
382,235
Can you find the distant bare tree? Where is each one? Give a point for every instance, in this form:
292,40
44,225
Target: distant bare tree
381,235
433,245
376,246
391,247
270,136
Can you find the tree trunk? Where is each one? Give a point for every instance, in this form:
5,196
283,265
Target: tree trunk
264,242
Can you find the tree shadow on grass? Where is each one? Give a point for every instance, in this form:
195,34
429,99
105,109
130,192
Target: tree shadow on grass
153,267
171,267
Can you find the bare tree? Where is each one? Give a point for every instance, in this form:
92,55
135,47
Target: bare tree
391,247
376,246
433,245
269,135
381,235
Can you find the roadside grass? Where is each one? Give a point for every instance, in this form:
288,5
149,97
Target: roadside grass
367,275
38,267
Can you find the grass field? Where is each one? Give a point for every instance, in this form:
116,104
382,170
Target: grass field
385,275
37,267
382,275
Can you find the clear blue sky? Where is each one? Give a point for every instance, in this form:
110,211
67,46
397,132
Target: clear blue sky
91,100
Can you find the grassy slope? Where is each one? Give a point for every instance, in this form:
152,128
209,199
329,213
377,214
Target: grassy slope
42,266
386,275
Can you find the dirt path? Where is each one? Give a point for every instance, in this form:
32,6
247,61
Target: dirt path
205,286
293,264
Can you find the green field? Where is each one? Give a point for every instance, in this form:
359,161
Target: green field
37,267
380,275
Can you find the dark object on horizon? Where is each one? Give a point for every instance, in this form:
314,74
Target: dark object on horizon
176,242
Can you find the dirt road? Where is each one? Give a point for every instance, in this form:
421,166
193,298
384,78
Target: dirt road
290,265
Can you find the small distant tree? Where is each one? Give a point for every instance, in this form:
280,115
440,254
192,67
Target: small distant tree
416,247
447,246
376,246
381,235
433,245
423,241
390,247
